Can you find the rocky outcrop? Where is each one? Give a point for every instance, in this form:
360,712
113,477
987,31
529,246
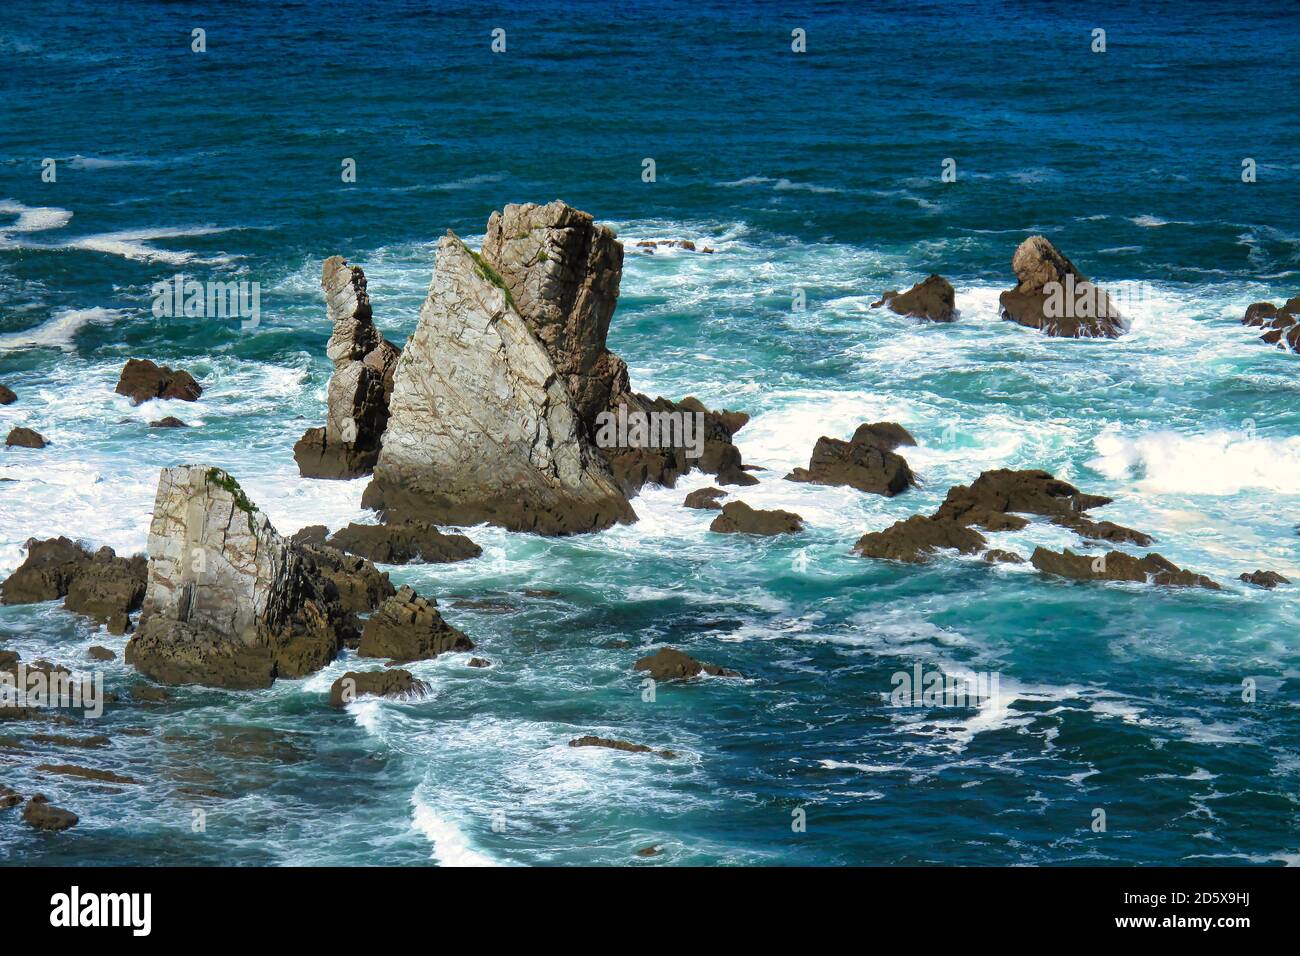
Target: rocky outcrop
1055,298
391,682
360,585
98,653
43,815
650,245
408,627
7,395
1117,566
915,539
866,462
171,421
637,462
229,603
705,498
482,427
739,518
1264,579
624,745
99,584
142,381
404,543
365,364
931,299
25,438
671,664
1281,324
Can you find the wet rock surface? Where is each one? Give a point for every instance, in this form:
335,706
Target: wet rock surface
1055,298
100,585
25,438
404,543
1264,579
932,299
408,627
866,462
142,380
708,499
739,518
43,815
391,682
626,746
671,664
1117,566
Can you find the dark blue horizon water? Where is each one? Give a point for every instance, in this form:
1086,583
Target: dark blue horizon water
817,171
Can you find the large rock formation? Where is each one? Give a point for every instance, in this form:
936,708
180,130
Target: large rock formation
1054,297
866,462
1117,566
1281,324
229,603
932,299
408,627
99,584
359,389
142,380
481,425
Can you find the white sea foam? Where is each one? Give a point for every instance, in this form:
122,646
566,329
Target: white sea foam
31,218
1214,463
61,329
450,846
137,244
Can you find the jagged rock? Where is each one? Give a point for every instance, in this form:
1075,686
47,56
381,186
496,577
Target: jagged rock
360,388
931,299
142,380
1118,566
408,627
9,798
100,585
43,815
998,556
479,662
915,539
650,245
391,682
636,465
171,421
404,543
229,602
98,653
705,498
1281,324
59,740
1055,298
739,518
7,395
1264,579
481,426
25,438
867,462
149,694
360,585
85,773
47,572
668,663
592,741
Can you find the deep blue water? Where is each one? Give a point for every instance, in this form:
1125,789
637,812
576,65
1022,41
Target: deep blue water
817,171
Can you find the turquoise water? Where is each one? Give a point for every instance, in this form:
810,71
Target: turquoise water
818,172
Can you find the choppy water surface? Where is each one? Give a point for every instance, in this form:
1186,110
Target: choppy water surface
817,172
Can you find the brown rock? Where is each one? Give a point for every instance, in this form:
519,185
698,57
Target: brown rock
85,773
1281,324
1117,566
739,518
1264,579
392,682
108,588
1055,298
360,585
590,741
142,381
43,815
404,543
932,299
171,421
705,498
7,396
408,627
867,463
668,663
59,740
998,556
25,438
915,539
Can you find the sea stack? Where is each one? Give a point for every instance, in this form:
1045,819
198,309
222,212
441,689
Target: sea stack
359,389
229,603
1055,298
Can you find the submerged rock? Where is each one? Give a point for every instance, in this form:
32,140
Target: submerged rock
170,421
916,538
360,388
705,498
624,745
1055,298
25,438
1264,579
43,815
391,682
482,427
867,462
98,653
9,798
7,395
931,299
739,518
1281,324
1117,566
229,602
404,543
408,627
142,381
671,664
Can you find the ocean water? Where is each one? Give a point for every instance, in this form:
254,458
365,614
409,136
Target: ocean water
817,172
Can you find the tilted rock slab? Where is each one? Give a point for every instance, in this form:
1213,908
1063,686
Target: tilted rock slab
359,389
229,603
481,427
1056,298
